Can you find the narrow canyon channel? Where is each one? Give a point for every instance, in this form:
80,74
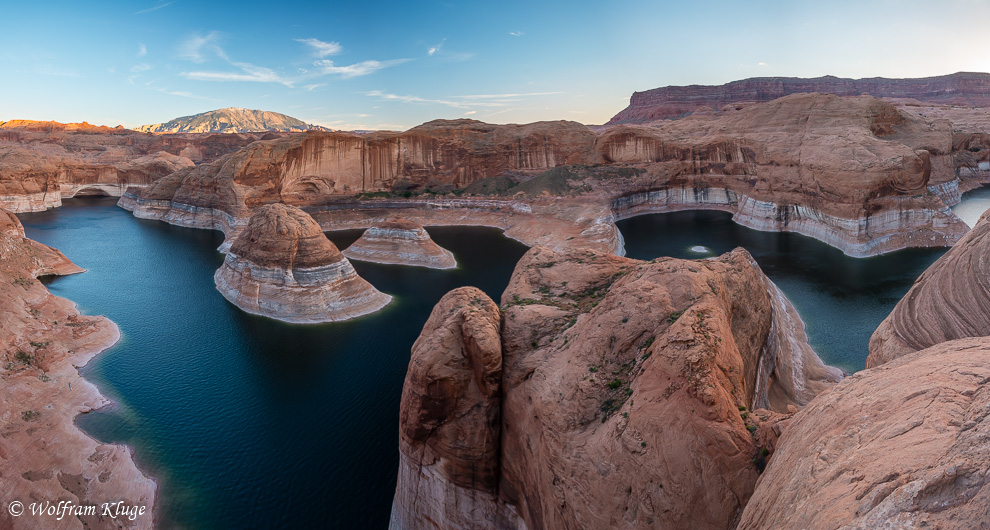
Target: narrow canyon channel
249,422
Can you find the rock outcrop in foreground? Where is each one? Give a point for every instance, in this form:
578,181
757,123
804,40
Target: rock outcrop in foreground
283,266
963,88
400,242
904,445
950,300
616,395
43,455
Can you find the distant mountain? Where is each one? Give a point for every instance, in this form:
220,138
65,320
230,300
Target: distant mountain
232,120
970,89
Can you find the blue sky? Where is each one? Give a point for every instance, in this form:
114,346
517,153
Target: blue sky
363,65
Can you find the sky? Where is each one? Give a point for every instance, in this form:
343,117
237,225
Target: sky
394,65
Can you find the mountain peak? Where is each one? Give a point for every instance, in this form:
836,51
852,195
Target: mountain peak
232,120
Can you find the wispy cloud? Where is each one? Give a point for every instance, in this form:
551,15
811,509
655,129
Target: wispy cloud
322,49
435,49
142,50
154,8
516,33
467,102
326,67
47,69
761,63
195,46
140,67
506,96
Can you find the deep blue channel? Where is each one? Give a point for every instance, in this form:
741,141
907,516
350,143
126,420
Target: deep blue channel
246,422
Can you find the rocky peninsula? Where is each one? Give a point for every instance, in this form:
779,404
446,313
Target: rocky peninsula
282,266
400,242
44,340
608,392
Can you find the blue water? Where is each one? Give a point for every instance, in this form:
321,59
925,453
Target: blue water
250,423
842,300
244,421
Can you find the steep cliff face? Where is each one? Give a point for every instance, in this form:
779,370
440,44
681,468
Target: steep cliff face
43,162
963,88
282,266
950,300
400,242
853,172
43,455
623,390
903,445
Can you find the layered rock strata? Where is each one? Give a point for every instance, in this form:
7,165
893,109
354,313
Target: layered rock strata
969,89
282,266
950,300
856,173
622,400
400,242
43,455
903,445
43,162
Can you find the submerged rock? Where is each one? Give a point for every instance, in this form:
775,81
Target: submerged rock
283,266
619,391
400,242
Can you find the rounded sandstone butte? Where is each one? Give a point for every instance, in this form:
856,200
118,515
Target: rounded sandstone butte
903,445
400,242
449,419
950,300
282,266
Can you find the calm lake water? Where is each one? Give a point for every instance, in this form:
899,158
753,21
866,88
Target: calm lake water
250,423
244,421
842,300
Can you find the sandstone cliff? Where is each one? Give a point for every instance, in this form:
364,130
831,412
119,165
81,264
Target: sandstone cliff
963,88
43,162
856,173
903,445
282,266
619,393
400,242
950,300
43,455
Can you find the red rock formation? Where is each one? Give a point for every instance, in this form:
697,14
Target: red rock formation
42,162
282,266
903,445
622,388
963,88
950,300
400,242
43,455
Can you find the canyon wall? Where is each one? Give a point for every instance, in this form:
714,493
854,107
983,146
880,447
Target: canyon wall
617,394
964,88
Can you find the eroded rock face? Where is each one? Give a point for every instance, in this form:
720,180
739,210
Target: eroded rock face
449,420
903,445
282,266
623,385
400,242
950,300
43,455
964,88
43,162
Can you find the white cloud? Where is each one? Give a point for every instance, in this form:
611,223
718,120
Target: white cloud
516,33
142,50
322,49
194,47
140,67
467,102
326,67
761,63
154,8
48,69
504,96
436,48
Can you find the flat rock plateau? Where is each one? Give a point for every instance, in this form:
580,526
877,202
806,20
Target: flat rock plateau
400,242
